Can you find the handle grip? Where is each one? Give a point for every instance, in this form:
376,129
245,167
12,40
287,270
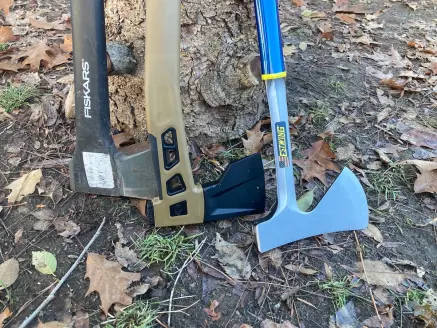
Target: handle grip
269,38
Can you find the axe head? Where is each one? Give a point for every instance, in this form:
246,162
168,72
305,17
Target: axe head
344,207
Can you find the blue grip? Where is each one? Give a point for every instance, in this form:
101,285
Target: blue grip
269,38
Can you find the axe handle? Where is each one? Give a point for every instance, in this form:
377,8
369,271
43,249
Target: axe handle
273,72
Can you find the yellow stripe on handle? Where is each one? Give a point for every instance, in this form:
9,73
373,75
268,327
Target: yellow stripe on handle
274,76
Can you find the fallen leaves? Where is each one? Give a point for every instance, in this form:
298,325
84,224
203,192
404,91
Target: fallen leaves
6,34
317,160
52,324
380,274
43,24
267,323
427,178
232,259
312,14
109,280
373,232
419,135
298,3
427,314
23,186
4,315
44,262
211,311
5,5
326,29
301,269
342,6
255,139
392,60
36,56
8,273
346,18
67,45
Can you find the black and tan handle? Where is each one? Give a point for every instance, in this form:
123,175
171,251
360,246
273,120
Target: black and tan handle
181,200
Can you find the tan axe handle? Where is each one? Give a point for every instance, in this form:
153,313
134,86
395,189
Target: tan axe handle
164,113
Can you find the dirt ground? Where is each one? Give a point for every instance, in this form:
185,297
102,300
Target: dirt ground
332,90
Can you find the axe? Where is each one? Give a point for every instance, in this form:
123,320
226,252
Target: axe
344,206
158,170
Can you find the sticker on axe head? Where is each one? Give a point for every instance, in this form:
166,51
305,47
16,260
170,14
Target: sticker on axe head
282,144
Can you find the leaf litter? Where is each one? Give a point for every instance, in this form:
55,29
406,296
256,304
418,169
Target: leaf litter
232,259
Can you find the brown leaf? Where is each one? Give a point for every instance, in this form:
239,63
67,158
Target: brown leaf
211,311
11,67
43,24
254,141
274,257
128,258
344,7
345,153
433,67
23,186
427,314
232,259
213,151
82,320
141,204
420,136
301,269
396,84
52,324
364,39
345,18
270,324
40,55
123,139
4,315
380,274
18,235
318,159
298,3
384,158
5,5
326,29
6,34
67,46
375,322
394,59
373,232
109,280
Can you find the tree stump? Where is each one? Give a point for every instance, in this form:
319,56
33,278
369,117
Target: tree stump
221,90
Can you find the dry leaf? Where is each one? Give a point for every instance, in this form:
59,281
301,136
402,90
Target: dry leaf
341,6
380,274
274,257
394,59
378,74
394,83
420,136
345,18
67,46
318,159
8,273
373,232
5,5
345,153
326,29
43,24
432,222
301,269
232,259
18,234
289,50
4,315
270,324
82,320
364,39
140,204
382,115
23,186
412,5
254,141
6,34
375,321
109,280
328,271
66,228
211,311
427,314
52,324
128,258
384,158
313,14
298,3
40,55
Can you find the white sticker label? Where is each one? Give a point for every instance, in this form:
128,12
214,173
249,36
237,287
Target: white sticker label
98,170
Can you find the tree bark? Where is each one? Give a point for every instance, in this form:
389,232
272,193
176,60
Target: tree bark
221,90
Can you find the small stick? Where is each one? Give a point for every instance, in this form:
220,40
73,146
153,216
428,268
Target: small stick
64,278
367,279
186,263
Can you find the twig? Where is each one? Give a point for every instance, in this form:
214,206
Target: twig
186,263
367,280
64,278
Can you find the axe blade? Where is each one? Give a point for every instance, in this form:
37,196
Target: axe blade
344,207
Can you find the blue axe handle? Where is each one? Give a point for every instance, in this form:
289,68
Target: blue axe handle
273,72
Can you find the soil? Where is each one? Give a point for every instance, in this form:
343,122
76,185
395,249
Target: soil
318,82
